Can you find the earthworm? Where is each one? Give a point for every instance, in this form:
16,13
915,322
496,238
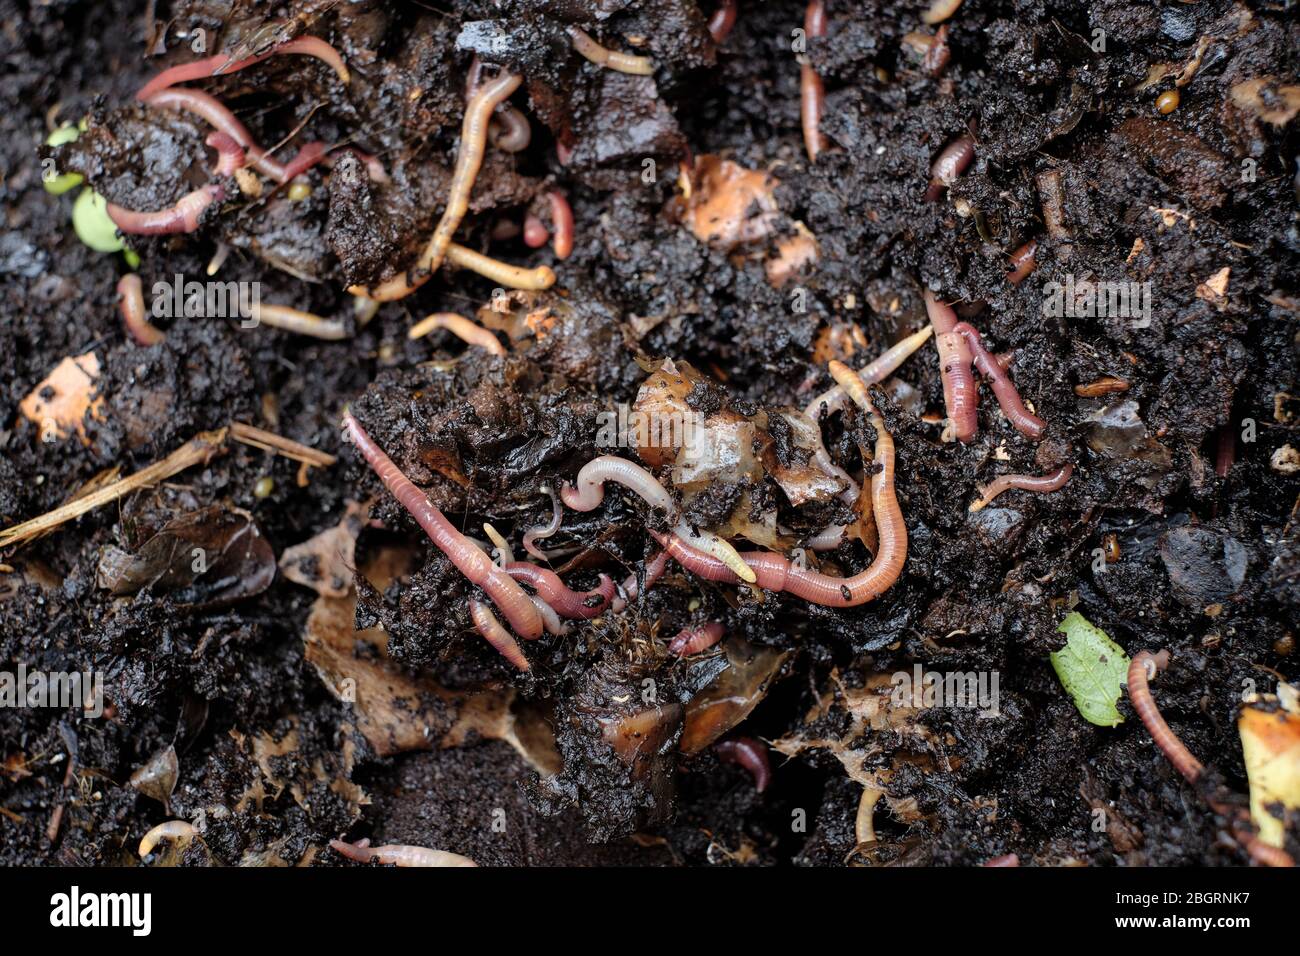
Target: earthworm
130,294
218,115
588,491
510,130
692,640
491,630
1140,670
722,21
1004,390
750,754
948,165
812,93
398,855
535,232
773,572
221,63
590,50
569,603
544,530
1042,484
512,277
562,220
469,159
1023,262
182,216
1009,859
654,570
550,619
230,155
1106,385
468,557
171,830
940,10
289,319
1052,196
459,326
960,397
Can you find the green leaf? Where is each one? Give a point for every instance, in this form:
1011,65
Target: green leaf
1092,668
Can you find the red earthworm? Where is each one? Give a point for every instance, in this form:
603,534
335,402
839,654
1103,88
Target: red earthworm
491,630
1042,484
221,63
182,216
550,619
654,570
536,234
510,130
590,50
960,397
219,116
1023,262
1025,421
230,155
588,491
289,319
544,530
693,639
469,159
467,556
562,220
774,572
578,605
130,294
1009,859
722,21
1140,670
750,754
512,277
398,855
812,93
461,327
949,164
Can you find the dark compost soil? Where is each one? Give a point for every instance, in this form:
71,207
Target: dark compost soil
440,743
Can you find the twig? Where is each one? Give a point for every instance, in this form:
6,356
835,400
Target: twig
269,441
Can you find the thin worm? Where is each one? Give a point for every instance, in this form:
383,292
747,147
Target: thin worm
590,50
467,331
1042,484
221,63
504,274
469,159
468,557
509,130
631,590
230,155
550,618
544,530
774,572
588,491
948,165
1140,670
501,640
1106,385
182,216
692,640
130,294
289,319
1004,390
750,754
812,93
171,830
577,605
562,220
1023,262
722,21
960,397
398,854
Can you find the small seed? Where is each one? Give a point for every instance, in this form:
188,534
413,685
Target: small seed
264,487
1167,101
300,191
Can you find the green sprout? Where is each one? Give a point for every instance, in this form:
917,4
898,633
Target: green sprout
60,183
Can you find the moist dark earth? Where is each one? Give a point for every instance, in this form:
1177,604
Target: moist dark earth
293,719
